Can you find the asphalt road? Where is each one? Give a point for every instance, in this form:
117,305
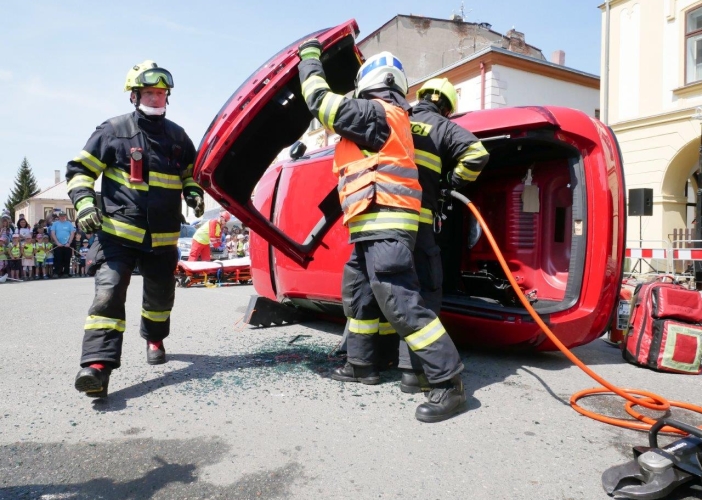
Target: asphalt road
238,412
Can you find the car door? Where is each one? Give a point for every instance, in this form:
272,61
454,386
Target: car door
266,114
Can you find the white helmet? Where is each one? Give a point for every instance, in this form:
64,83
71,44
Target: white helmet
381,71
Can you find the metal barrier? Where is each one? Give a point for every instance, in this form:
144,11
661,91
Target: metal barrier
654,254
655,257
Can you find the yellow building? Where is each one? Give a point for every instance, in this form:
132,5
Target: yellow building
652,76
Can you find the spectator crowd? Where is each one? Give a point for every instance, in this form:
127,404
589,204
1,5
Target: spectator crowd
236,243
51,248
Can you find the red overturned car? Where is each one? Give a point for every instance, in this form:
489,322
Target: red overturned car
552,194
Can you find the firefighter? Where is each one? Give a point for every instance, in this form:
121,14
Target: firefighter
207,235
446,155
381,198
146,162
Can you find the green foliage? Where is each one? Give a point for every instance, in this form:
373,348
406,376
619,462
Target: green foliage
25,187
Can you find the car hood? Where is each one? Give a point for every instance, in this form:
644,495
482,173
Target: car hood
266,114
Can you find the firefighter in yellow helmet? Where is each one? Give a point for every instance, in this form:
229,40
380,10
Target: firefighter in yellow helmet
381,197
447,156
146,163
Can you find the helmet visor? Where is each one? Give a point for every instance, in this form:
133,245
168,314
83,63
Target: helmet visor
152,76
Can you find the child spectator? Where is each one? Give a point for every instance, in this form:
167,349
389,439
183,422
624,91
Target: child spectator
83,254
15,257
75,262
240,246
41,225
23,228
40,255
6,228
49,261
78,241
231,247
246,243
28,256
4,270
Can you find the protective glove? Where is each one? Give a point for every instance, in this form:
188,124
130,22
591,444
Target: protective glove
195,201
310,49
89,219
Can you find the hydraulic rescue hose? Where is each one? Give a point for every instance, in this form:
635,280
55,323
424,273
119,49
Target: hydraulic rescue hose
647,400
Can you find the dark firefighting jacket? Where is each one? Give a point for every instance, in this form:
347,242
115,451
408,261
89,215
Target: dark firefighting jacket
144,215
365,123
444,151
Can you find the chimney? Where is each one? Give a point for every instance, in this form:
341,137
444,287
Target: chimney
558,57
57,176
516,41
515,34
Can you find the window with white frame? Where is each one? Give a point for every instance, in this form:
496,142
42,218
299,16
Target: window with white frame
693,46
314,125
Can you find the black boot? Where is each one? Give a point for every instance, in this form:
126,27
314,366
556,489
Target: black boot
414,381
93,382
355,373
155,353
444,401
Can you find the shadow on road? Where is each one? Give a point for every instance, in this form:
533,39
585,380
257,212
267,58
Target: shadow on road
131,469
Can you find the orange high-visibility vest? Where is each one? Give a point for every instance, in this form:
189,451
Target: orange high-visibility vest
389,177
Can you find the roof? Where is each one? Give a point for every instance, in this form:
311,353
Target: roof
508,53
411,16
58,192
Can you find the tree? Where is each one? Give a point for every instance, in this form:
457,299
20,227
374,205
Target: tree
26,186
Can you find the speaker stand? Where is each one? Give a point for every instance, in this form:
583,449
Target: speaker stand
640,260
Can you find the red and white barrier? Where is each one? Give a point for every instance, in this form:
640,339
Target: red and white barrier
687,254
646,253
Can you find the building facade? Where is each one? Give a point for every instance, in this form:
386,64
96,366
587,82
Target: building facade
495,77
46,202
654,78
425,45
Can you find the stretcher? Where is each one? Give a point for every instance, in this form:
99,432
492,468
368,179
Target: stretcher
214,273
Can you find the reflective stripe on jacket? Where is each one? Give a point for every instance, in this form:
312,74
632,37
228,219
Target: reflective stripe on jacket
144,214
387,178
379,191
378,181
440,143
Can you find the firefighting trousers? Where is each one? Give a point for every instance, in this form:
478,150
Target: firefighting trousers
105,324
427,261
380,280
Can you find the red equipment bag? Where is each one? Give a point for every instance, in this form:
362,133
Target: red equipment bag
665,328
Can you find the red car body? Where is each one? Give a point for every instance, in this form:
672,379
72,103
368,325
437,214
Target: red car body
566,254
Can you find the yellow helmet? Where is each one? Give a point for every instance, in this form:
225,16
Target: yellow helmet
148,74
440,87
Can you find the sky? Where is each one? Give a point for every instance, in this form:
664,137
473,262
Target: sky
63,64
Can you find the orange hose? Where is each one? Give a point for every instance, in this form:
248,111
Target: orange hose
647,400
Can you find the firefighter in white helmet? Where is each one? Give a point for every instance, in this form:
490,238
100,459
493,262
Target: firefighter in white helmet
381,198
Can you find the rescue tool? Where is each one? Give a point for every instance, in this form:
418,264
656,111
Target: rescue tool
656,471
